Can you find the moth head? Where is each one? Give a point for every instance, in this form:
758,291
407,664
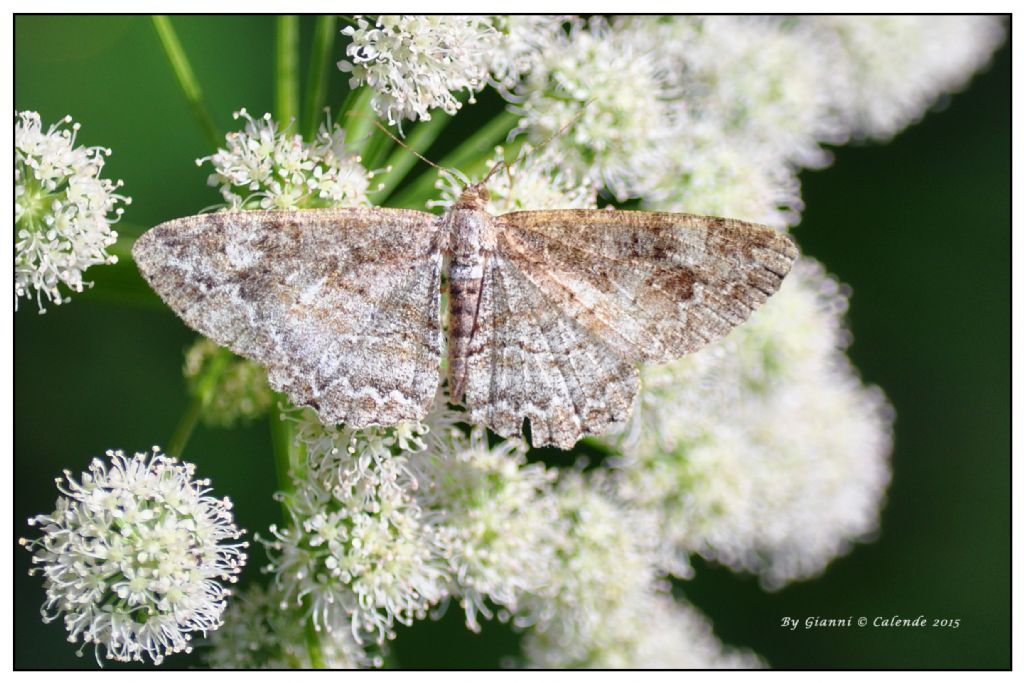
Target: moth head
473,197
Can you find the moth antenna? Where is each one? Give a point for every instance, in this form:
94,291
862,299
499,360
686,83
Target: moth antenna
511,178
569,124
494,169
394,137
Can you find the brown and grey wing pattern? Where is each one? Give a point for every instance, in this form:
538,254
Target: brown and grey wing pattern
571,300
528,359
341,305
652,286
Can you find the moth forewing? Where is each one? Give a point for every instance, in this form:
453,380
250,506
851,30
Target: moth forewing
653,286
341,305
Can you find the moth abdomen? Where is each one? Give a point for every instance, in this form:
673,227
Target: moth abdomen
463,309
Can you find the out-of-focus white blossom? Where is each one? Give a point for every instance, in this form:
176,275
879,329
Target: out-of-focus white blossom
753,81
491,512
603,605
603,560
664,633
897,67
416,63
758,108
259,634
717,114
63,210
524,41
241,392
717,179
764,451
612,86
135,555
266,167
356,541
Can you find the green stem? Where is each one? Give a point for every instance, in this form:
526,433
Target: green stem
319,63
402,160
204,394
316,655
186,425
376,149
186,78
286,69
289,461
281,440
476,146
356,118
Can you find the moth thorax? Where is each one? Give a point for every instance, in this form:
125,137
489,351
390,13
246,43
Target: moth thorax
471,233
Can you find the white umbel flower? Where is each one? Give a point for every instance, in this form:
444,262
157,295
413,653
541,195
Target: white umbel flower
63,210
603,560
524,38
753,81
764,451
611,84
259,634
897,67
266,167
415,63
356,541
135,556
668,634
491,512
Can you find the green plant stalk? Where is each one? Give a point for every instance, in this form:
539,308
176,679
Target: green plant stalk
376,149
474,149
186,425
356,117
319,63
289,462
204,393
316,655
402,161
286,69
186,78
281,440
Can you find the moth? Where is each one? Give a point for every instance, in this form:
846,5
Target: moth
549,312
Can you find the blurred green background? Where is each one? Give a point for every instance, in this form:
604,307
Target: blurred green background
919,228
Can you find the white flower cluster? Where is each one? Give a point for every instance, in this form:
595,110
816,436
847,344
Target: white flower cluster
389,523
415,63
491,516
670,634
602,605
717,114
259,634
418,63
357,542
763,452
135,556
612,87
895,67
241,392
265,167
523,40
63,210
